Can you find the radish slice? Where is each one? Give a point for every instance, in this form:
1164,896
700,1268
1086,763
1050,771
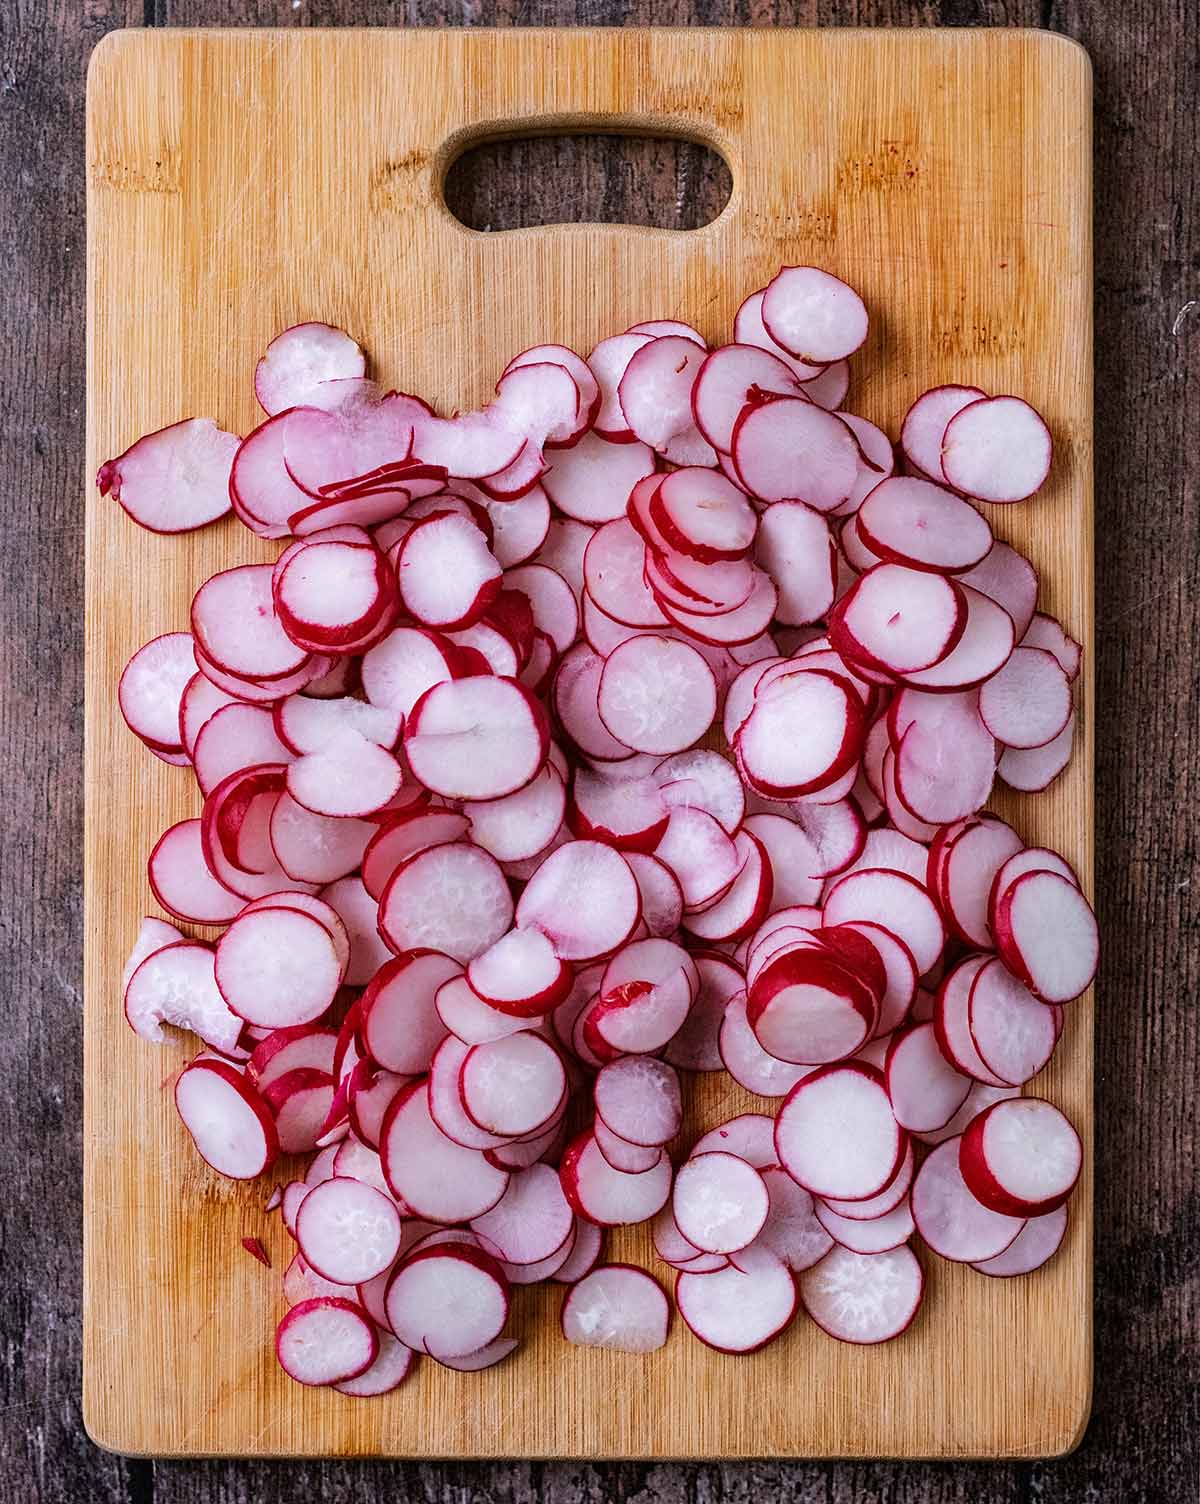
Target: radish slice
1046,934
182,882
731,377
925,1089
449,1301
1030,771
477,738
617,1307
673,1248
407,833
950,1219
614,568
896,902
326,1341
575,695
399,1025
316,848
696,1046
1012,582
746,903
173,480
176,984
1044,632
812,1146
591,481
868,1234
813,315
631,1159
749,329
864,1298
751,1136
348,1231
980,1097
638,1098
1013,1032
297,361
584,898
645,995
154,935
589,1243
791,450
804,732
1020,1158
520,974
469,1018
235,625
440,1180
277,967
303,1103
917,523
531,1220
1027,702
229,1123
150,690
998,449
447,574
794,547
655,391
719,1202
611,1197
451,898
486,1357
806,1007
792,1231
970,863
628,813
700,514
739,1310
513,1086
925,424
1036,1244
397,671
900,619
888,1199
656,695
391,1367
746,1060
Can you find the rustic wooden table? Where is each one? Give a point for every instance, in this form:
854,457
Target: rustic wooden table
1142,1442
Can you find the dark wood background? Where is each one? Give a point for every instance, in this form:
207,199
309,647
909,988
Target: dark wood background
1142,1444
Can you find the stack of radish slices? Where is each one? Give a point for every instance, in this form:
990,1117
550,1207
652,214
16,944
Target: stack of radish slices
487,893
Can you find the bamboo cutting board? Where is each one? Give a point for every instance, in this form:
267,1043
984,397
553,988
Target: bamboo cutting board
241,181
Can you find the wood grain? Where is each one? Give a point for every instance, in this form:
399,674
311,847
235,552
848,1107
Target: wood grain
944,174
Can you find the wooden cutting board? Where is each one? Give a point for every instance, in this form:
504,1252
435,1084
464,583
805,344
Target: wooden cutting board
240,181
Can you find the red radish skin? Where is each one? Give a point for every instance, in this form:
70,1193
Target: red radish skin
326,1340
1046,934
1021,1158
231,1126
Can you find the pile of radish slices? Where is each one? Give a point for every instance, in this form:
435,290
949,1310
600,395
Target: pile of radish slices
488,890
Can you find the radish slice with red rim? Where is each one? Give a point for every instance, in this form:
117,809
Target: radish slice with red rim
950,1219
299,360
789,449
531,1220
176,984
520,974
1020,1158
868,1234
925,1089
399,1025
173,480
235,625
326,1340
1036,1244
590,481
1027,702
182,882
584,898
477,738
738,1310
449,1300
655,390
1044,632
1012,582
719,1202
656,695
925,425
813,315
393,1364
969,865
732,376
751,1136
810,1142
1012,1031
638,1098
1046,935
451,898
998,449
796,550
923,525
440,1180
151,687
607,1196
348,1231
513,1087
617,1307
864,1297
230,1125
277,967
901,619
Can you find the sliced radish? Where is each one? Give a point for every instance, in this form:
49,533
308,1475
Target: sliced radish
1044,632
925,1089
811,1142
1012,582
530,1221
1035,769
900,619
277,967
789,449
1027,702
739,1309
1036,1244
998,449
584,898
895,901
348,1231
451,898
176,984
969,863
391,1367
403,836
591,481
747,1062
1020,1158
917,523
316,848
804,732
297,361
655,390
639,1099
1046,934
868,1234
1012,1031
235,625
607,1196
520,974
744,906
751,1136
813,315
326,1340
173,480
513,1086
863,1297
588,1246
303,1101
795,548
656,695
617,1307
448,1301
950,1219
230,1125
397,671
150,690
477,738
806,1007
887,1200
153,935
440,1180
182,882
925,424
399,1024
719,1202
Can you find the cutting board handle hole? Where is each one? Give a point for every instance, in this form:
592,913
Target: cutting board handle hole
666,182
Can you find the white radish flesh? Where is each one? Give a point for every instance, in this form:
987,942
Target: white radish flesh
617,1307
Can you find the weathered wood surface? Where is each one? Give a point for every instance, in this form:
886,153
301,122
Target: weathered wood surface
1142,1441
